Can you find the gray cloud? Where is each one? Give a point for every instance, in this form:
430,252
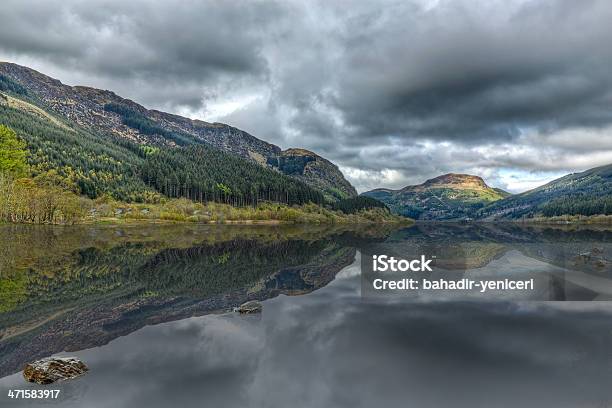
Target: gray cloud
394,92
162,54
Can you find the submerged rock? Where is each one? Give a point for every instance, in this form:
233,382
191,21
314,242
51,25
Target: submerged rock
250,307
52,369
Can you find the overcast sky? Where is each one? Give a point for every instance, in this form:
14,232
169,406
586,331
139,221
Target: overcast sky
394,92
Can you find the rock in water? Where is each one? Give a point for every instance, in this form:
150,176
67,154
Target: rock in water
250,307
52,369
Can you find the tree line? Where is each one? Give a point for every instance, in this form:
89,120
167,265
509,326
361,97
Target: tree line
578,205
356,204
202,173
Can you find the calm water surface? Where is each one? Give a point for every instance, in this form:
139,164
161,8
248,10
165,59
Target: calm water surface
148,309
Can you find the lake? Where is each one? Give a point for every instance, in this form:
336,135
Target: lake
150,310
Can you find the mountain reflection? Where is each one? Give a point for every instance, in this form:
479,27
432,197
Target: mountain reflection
73,288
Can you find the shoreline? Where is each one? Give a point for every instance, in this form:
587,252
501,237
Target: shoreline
152,221
581,220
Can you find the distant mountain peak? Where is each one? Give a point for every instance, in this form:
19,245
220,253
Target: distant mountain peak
451,180
449,196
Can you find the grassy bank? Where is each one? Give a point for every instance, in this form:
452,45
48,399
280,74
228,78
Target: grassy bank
34,192
38,201
183,210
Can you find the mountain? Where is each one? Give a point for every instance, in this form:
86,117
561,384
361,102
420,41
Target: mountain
313,170
65,157
103,113
586,193
450,196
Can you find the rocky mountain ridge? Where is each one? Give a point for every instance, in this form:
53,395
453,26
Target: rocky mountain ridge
89,107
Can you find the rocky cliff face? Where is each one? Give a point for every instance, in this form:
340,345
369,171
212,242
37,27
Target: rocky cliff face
450,196
88,107
315,171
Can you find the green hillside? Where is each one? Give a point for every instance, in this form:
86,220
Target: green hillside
447,197
55,170
587,193
104,113
96,164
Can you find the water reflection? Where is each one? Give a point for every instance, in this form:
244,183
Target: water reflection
558,263
329,348
77,287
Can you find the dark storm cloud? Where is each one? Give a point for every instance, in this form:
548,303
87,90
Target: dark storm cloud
394,92
460,73
177,50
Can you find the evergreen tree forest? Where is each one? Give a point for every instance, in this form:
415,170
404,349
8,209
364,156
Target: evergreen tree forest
202,173
356,204
95,165
8,85
578,205
21,198
88,164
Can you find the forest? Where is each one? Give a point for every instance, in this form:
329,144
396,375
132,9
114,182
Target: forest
578,205
24,199
202,173
356,204
95,165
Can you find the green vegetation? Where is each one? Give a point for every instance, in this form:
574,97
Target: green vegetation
25,201
580,194
568,219
8,85
436,203
29,200
202,173
58,173
184,210
572,197
92,165
12,153
99,165
355,204
446,197
578,205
